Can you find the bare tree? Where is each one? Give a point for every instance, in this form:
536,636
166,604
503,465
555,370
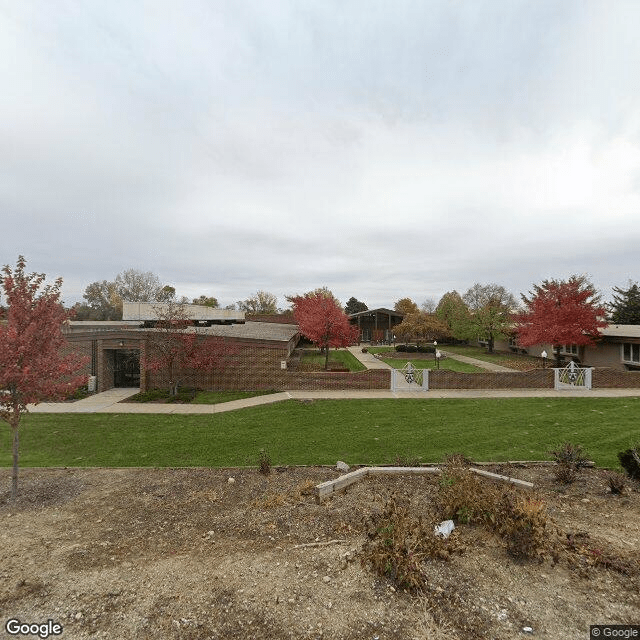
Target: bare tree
260,302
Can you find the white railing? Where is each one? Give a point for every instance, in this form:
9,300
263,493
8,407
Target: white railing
572,377
409,379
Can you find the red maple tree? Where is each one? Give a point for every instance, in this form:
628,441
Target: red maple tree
322,320
175,347
33,365
559,312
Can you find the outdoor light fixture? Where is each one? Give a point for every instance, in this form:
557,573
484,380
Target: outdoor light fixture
544,359
122,343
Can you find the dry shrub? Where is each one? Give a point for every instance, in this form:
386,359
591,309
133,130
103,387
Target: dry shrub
306,488
570,458
522,522
270,500
264,463
399,543
616,482
463,496
630,461
518,518
583,554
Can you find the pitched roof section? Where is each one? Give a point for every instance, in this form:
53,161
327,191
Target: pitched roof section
621,331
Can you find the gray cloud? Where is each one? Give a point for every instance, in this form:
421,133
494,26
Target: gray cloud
380,150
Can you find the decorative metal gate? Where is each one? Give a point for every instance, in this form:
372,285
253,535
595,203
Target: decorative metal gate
409,379
572,377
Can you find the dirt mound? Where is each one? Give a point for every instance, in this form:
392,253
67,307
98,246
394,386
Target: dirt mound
187,553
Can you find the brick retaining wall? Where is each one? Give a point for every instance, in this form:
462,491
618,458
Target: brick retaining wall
252,368
534,379
606,378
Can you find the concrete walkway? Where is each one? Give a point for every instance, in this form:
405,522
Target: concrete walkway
482,364
371,362
110,401
367,359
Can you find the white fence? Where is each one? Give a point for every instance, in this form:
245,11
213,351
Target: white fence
409,379
572,377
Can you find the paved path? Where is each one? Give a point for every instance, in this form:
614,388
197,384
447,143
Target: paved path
482,364
371,362
110,401
368,359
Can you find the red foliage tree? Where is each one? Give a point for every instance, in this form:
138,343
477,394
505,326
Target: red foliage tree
561,312
322,320
33,366
175,348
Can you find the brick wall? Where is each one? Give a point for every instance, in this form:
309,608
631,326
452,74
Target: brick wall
250,368
534,379
608,378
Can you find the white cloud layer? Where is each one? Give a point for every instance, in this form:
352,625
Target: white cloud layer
383,150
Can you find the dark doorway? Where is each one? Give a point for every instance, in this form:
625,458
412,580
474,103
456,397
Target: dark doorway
126,368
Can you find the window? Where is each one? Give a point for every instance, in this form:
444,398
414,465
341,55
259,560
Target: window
570,348
631,352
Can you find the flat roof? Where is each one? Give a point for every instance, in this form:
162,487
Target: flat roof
274,331
271,331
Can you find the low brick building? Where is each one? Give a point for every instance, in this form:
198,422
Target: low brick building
376,325
259,357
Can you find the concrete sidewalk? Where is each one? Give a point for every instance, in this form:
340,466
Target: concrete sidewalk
110,401
371,362
482,364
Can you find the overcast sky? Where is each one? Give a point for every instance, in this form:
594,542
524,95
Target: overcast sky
383,149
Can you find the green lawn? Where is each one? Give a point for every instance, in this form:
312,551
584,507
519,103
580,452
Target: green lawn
446,363
342,358
504,359
190,396
321,432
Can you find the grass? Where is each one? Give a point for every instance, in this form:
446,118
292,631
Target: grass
504,359
195,397
338,357
448,364
321,432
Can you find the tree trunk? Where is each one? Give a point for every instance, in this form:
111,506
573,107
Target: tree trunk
556,350
490,344
15,423
326,357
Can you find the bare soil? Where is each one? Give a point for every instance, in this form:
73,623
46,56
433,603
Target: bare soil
189,554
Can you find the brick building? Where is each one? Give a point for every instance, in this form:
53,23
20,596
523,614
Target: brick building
376,325
259,357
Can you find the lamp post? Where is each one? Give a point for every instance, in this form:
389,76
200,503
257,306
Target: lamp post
544,359
437,354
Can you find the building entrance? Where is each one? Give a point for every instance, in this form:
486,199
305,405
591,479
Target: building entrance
126,368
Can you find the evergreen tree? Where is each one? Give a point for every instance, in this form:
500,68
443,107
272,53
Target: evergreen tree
625,308
355,306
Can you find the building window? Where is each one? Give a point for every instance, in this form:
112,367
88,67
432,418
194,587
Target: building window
570,348
631,352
